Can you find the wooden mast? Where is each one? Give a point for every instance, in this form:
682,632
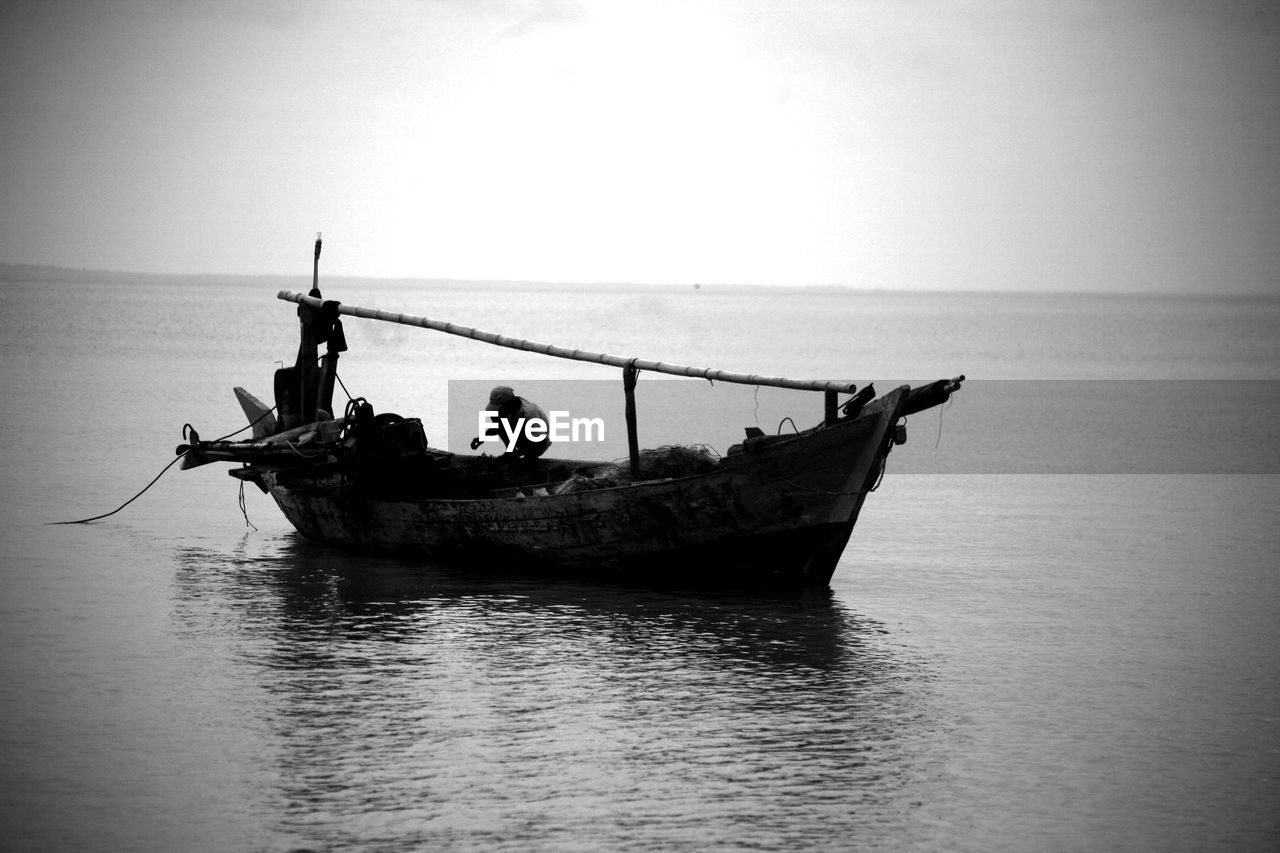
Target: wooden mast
638,364
629,375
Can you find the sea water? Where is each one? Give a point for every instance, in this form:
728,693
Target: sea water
1011,656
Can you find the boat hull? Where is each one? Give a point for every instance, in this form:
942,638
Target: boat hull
781,511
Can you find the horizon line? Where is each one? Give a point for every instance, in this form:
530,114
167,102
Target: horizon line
13,272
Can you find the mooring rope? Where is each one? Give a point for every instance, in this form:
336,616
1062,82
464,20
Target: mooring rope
945,405
243,510
131,500
186,428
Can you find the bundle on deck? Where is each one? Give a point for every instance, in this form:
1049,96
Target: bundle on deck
669,462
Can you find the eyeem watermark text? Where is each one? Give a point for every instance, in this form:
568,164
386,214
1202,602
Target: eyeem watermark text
561,428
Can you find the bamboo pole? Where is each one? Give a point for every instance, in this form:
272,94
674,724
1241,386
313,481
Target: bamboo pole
577,354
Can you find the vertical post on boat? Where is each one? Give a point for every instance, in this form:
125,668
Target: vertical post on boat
297,386
309,351
315,266
629,374
336,342
831,403
328,370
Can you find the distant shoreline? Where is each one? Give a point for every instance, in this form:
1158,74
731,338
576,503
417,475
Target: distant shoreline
42,273
67,275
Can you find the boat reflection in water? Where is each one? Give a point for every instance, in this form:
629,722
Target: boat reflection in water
420,704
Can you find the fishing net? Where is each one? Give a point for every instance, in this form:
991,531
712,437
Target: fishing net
659,463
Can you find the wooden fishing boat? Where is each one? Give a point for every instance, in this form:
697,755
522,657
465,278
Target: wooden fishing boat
775,508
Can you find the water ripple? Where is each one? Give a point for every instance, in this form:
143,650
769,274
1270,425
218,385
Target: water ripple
405,704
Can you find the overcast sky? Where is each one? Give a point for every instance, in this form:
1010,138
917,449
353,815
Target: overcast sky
1124,145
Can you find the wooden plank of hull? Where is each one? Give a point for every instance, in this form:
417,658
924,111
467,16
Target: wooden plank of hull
635,527
787,509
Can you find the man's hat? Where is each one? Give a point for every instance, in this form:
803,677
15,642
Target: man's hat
498,396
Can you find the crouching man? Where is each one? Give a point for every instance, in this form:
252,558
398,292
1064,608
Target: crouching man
515,417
